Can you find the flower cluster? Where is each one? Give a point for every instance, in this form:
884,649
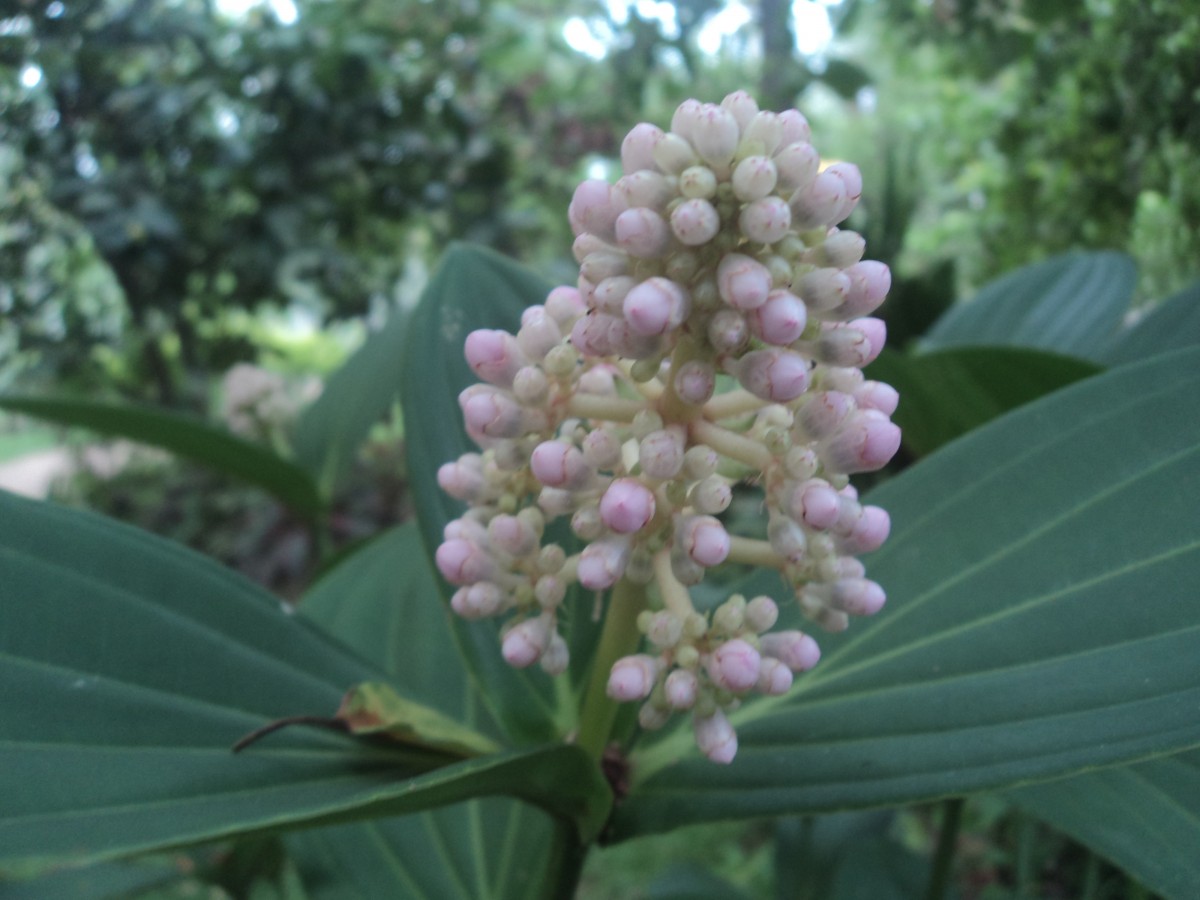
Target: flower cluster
716,335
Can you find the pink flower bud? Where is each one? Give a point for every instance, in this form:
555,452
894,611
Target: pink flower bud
609,295
695,382
780,320
869,282
815,503
851,177
877,395
602,564
761,614
797,164
744,282
645,189
754,178
842,344
734,666
656,306
524,643
869,532
705,540
774,678
742,106
632,677
795,126
494,356
680,689
817,205
511,535
715,135
591,335
637,150
463,479
866,442
765,221
661,454
586,244
794,649
490,412
727,331
858,596
627,506
466,529
824,413
558,464
695,222
478,601
601,448
764,129
462,562
539,333
642,233
775,375
824,289
565,306
594,208
715,737
685,117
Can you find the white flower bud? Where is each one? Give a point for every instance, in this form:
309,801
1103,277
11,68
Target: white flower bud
478,601
754,178
673,154
715,135
765,221
761,614
695,382
695,222
637,150
727,331
700,461
715,737
556,657
775,375
765,131
797,165
525,642
741,106
642,233
744,282
774,678
681,688
698,182
648,190
711,495
661,454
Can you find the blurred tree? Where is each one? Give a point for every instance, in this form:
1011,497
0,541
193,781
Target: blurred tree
218,162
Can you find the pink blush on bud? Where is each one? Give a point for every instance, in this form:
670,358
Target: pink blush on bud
780,320
734,666
715,737
632,678
627,506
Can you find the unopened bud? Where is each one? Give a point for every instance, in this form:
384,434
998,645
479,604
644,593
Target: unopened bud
761,614
627,506
774,374
715,737
695,382
754,178
774,678
744,282
695,222
794,649
558,464
780,320
525,642
642,233
602,564
705,540
765,221
680,689
632,677
494,356
637,150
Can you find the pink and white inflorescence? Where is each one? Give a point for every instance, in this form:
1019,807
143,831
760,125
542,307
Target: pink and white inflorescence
717,253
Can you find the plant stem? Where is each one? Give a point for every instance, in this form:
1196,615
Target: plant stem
1091,878
943,859
1025,844
619,638
565,863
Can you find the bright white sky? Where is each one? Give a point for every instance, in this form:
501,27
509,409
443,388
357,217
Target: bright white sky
594,37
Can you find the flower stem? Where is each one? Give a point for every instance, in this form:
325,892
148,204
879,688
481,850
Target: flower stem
943,860
619,638
731,444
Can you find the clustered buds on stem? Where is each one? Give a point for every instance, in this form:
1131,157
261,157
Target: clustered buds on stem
717,253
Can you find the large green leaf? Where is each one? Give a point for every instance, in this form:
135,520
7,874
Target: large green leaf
947,393
496,848
128,668
355,397
1070,304
182,435
1144,817
472,288
1173,324
1043,620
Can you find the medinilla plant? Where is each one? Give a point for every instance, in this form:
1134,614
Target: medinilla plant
637,488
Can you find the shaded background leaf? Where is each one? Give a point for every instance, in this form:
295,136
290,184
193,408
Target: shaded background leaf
1071,304
1173,324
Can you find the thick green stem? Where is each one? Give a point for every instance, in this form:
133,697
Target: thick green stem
943,859
619,638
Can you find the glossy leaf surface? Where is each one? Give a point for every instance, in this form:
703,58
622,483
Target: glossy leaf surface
183,436
947,393
1042,620
128,668
473,288
1071,304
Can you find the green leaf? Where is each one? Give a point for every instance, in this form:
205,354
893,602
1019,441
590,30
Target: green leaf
498,848
376,709
1071,304
947,393
330,430
1042,621
182,435
128,668
1173,324
1145,818
472,288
